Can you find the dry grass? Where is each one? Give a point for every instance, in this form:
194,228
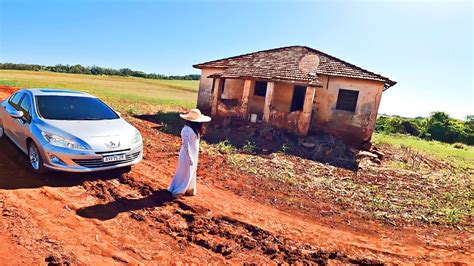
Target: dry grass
394,192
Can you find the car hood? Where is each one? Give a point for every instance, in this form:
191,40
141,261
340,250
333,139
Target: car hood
100,135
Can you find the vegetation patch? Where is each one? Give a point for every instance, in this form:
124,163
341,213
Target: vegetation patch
438,126
394,192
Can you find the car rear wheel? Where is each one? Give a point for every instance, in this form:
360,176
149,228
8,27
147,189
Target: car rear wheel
34,156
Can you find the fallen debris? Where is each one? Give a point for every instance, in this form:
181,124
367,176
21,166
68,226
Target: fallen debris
57,260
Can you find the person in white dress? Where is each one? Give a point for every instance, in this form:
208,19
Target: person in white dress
184,179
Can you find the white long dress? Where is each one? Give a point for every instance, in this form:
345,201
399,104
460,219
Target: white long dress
184,179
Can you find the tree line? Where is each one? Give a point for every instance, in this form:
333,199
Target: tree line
438,126
95,70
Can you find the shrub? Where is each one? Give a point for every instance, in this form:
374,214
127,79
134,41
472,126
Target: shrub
438,126
225,147
249,147
458,145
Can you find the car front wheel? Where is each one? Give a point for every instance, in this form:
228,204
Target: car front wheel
2,133
36,162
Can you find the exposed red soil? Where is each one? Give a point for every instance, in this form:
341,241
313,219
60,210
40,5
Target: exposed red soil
6,91
113,218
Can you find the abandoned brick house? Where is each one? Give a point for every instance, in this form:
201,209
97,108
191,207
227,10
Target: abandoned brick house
296,88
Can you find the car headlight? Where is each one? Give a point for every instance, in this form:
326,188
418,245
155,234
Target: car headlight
137,137
59,141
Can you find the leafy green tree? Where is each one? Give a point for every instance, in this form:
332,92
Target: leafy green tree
443,128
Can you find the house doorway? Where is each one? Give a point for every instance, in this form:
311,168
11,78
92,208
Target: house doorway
297,101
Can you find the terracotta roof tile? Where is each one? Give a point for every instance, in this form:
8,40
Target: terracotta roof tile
283,63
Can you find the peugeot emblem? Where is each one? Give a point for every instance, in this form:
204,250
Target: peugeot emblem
112,144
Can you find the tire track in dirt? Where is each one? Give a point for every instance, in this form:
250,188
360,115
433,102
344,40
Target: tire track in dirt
222,235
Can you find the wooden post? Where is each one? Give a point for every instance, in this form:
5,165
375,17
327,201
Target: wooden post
268,102
305,118
216,95
245,97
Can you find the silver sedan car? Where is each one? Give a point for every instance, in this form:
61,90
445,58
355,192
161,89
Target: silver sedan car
69,131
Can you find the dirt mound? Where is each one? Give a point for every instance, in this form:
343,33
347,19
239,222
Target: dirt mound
144,189
57,260
6,91
228,236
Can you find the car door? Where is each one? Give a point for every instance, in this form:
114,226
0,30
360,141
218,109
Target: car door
23,124
9,125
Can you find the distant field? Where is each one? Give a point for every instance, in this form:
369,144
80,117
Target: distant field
122,92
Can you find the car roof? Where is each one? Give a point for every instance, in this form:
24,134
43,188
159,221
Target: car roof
57,92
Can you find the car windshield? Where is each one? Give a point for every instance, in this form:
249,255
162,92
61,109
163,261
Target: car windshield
73,108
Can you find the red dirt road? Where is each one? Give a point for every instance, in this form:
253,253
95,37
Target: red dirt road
112,218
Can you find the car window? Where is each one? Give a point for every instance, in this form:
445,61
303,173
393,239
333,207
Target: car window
73,108
25,106
15,100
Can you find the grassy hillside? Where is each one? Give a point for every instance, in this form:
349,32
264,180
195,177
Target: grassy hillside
121,92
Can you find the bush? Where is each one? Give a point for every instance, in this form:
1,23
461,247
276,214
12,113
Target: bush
460,146
387,124
438,126
249,147
225,147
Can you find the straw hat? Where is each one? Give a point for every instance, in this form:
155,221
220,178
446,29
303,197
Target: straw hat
195,115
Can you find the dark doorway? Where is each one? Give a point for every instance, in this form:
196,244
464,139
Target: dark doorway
298,98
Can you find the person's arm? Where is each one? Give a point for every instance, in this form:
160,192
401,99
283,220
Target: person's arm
186,136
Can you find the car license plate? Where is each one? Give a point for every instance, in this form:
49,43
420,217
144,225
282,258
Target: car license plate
114,158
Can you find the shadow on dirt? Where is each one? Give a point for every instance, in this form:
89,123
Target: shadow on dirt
261,140
15,172
112,209
167,122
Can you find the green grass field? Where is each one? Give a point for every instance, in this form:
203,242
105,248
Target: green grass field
120,92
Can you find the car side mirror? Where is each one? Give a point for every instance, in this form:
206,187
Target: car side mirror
16,114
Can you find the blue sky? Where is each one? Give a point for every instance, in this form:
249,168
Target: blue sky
426,46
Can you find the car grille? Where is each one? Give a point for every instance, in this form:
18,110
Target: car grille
98,163
104,152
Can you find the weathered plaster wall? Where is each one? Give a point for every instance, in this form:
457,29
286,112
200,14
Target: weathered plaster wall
282,96
285,120
224,110
205,89
233,89
354,127
256,103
